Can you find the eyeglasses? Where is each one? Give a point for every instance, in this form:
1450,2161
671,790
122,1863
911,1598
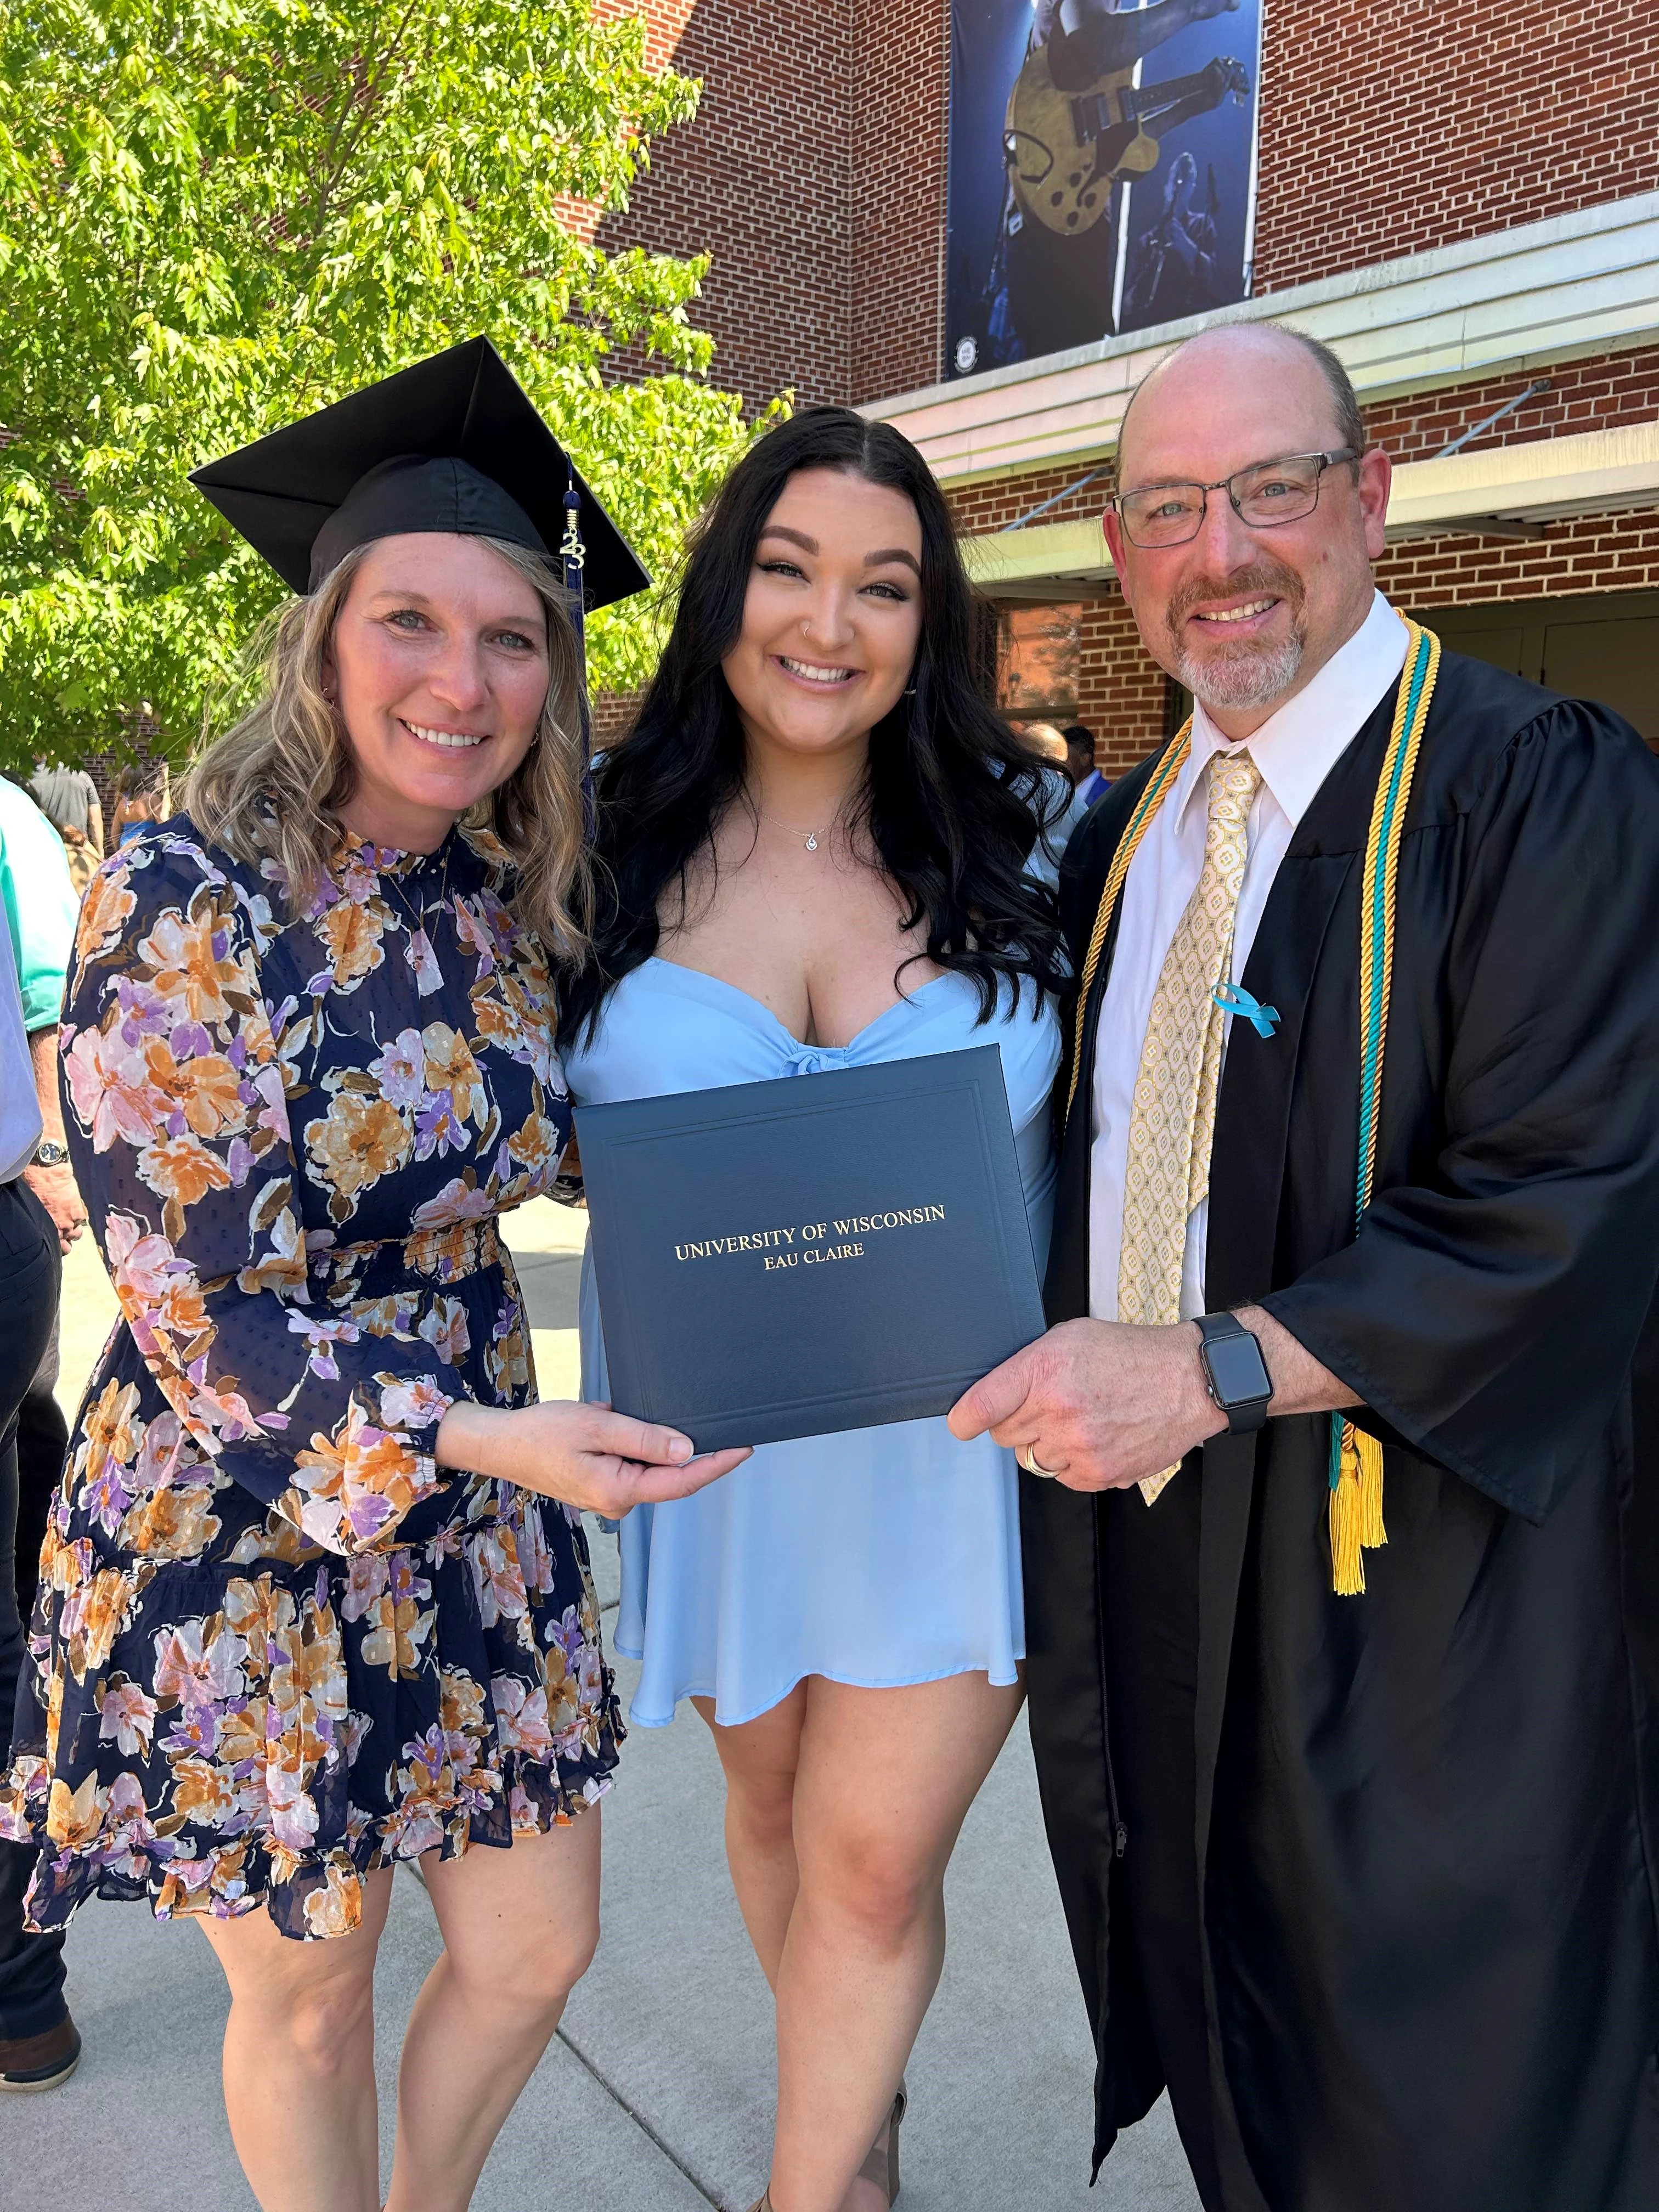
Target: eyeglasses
1264,495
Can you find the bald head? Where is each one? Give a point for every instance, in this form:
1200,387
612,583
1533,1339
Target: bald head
1253,354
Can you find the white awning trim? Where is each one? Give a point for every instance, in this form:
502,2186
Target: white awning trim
1594,472
1050,552
1582,283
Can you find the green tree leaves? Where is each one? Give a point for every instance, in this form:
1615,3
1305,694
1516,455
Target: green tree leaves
217,215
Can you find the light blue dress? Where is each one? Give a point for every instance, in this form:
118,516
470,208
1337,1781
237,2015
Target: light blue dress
878,1557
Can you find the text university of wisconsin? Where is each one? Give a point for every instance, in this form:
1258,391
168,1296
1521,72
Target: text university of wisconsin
777,1244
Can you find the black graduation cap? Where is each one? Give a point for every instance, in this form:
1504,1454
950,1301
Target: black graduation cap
435,447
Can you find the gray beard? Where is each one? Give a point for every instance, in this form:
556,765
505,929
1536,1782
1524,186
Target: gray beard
1249,680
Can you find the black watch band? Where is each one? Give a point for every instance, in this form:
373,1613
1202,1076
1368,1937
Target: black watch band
1235,1373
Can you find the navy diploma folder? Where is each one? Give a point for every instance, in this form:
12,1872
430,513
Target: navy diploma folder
814,1252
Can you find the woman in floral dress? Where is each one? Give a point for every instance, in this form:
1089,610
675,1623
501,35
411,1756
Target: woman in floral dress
315,1597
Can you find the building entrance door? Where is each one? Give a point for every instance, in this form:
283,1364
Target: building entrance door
1602,645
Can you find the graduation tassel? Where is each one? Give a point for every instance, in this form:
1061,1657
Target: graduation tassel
572,558
1372,1533
1348,1566
1355,1509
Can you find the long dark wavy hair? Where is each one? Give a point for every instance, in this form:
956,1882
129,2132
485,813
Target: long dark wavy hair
952,802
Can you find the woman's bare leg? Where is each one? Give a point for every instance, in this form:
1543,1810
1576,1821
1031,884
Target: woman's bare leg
760,1759
519,1928
299,2059
882,1781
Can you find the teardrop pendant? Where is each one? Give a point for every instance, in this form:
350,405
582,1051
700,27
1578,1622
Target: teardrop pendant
812,840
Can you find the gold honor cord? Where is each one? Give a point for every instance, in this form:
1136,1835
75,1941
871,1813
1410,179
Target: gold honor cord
1147,806
1356,1480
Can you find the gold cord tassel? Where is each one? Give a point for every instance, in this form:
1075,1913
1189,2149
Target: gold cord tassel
1356,1510
1372,1534
1347,1569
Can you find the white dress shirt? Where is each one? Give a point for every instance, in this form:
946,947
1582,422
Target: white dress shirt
19,1108
1295,750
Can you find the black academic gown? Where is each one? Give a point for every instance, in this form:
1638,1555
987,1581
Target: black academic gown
1427,1818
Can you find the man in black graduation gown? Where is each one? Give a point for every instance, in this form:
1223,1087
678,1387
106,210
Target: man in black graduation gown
1370,1880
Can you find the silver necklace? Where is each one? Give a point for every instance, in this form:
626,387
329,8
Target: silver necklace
810,837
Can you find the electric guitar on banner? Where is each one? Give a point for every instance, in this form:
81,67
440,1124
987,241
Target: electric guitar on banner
1065,149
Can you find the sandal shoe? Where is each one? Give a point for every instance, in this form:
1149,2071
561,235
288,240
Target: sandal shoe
882,2165
29,2062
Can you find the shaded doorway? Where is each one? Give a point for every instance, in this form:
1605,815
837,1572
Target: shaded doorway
1603,645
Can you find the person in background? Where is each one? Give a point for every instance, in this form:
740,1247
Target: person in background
1044,740
1050,745
69,799
1086,778
41,904
40,2045
143,797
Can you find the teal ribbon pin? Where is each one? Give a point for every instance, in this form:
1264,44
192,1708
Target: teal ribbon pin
1233,1000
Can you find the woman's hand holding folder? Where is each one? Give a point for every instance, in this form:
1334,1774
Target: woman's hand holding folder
583,1455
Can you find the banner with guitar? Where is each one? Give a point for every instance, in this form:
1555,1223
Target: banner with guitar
1101,170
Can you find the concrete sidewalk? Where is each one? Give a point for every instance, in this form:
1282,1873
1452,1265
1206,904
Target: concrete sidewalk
657,2096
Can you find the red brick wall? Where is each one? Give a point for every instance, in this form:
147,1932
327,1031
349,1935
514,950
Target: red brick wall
759,181
1586,553
1593,553
997,500
613,716
1122,690
901,62
1583,395
1387,129
814,172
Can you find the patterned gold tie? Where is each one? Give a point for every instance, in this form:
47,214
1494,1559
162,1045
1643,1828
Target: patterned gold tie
1172,1123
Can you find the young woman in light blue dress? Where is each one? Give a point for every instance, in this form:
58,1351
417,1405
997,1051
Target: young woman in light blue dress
813,847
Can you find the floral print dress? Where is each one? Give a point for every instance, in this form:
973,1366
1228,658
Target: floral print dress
276,1647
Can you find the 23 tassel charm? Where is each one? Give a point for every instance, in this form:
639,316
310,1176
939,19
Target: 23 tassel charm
1356,1505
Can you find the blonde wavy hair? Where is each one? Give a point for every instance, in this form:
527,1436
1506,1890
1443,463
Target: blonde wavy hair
270,787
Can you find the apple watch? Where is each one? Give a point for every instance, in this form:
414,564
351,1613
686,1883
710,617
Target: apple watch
49,1153
1235,1373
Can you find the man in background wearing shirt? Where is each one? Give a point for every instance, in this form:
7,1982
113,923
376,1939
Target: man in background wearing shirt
69,799
1086,779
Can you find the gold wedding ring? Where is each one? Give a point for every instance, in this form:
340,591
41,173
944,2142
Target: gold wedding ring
1028,1459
